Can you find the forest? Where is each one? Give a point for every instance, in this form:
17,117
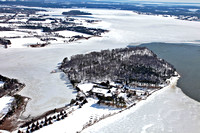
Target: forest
125,65
5,28
80,29
21,10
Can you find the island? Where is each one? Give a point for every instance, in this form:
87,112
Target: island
76,13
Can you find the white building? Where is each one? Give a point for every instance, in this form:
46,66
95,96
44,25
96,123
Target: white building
1,84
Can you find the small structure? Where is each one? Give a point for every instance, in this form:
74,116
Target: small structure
140,92
1,84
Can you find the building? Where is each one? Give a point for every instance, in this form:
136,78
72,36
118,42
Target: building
1,84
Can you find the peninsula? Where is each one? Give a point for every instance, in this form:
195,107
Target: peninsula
107,83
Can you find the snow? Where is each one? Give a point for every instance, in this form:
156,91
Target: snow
193,10
11,34
140,28
167,110
3,131
4,25
47,91
70,33
99,90
91,111
42,22
85,87
75,121
21,42
126,27
5,104
144,129
1,83
122,95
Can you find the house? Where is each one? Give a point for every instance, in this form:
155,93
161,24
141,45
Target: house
100,91
141,92
1,84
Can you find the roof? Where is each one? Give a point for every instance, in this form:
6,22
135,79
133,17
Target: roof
108,95
1,83
100,90
85,87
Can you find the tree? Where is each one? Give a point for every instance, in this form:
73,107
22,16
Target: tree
126,65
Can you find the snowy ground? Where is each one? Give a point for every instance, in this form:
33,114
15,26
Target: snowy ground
80,117
48,91
88,113
22,37
166,111
5,104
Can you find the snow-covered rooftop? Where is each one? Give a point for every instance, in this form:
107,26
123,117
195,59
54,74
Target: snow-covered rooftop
1,83
85,87
100,90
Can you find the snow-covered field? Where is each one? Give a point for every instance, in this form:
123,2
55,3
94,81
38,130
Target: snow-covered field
80,117
49,91
5,105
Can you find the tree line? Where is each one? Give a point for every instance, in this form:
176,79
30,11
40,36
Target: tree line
125,65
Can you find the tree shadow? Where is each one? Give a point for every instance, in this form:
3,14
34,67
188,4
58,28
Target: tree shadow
97,106
64,78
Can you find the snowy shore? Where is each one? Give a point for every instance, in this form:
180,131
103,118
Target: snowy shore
92,113
5,105
166,111
104,123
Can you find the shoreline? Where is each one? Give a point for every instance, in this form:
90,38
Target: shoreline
133,107
174,53
72,109
13,121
